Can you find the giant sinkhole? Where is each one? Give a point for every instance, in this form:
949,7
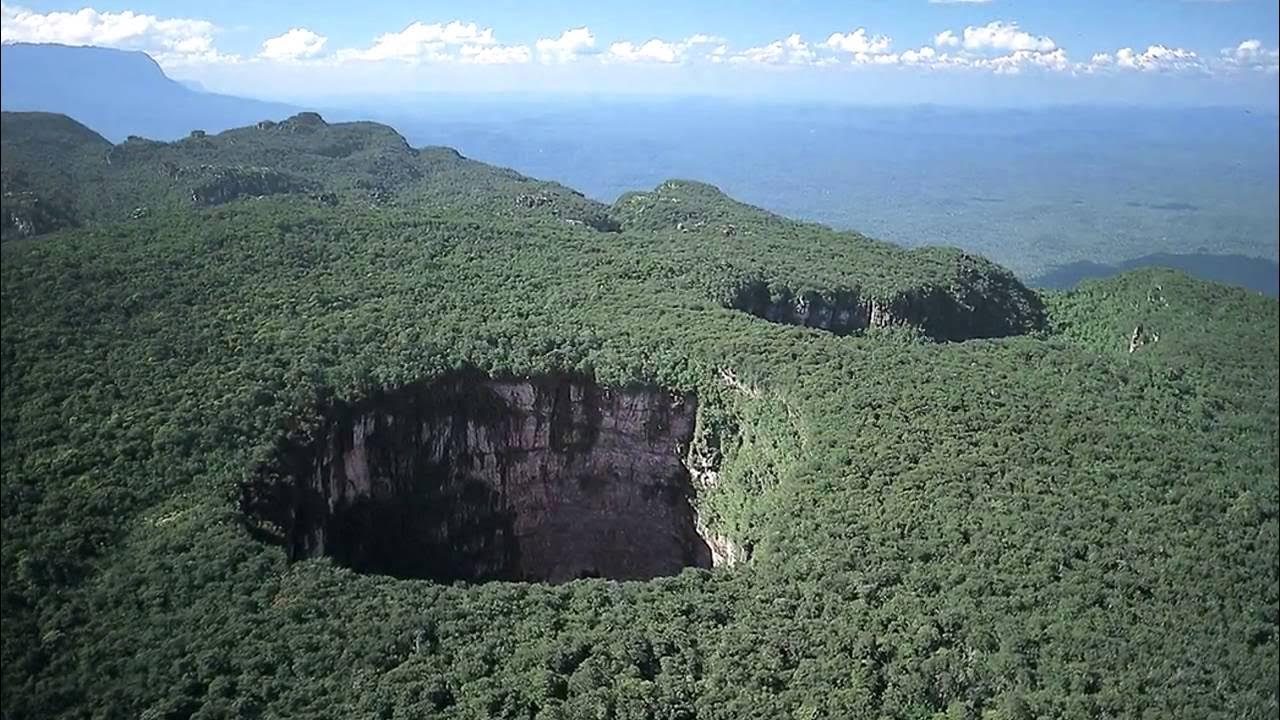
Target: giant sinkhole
472,478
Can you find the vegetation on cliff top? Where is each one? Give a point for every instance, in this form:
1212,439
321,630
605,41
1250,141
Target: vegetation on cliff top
1045,525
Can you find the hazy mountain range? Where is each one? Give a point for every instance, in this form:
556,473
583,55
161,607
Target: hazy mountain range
119,93
1056,194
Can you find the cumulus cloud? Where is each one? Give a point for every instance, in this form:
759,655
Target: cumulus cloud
571,44
296,44
923,56
171,41
1251,55
792,50
997,36
1019,60
859,42
422,42
1156,58
1000,47
946,38
704,39
660,51
932,58
495,54
654,50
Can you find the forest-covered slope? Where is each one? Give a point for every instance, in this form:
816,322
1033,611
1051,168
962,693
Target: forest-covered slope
740,256
1041,525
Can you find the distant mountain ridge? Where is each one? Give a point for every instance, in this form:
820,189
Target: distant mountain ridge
119,93
1254,273
58,174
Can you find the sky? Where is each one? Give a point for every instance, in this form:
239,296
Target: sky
962,52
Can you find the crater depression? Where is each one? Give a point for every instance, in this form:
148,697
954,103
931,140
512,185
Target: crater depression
472,478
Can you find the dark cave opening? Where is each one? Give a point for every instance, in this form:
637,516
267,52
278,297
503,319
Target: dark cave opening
470,478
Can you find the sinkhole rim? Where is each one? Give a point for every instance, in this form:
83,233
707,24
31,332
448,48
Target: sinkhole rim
618,455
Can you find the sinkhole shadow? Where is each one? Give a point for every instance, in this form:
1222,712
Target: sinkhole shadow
471,478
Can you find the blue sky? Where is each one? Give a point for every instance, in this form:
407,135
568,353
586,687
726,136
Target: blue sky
973,53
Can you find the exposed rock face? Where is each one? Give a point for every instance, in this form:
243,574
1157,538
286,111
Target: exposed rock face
474,479
228,184
1141,336
940,313
573,208
24,214
306,120
704,470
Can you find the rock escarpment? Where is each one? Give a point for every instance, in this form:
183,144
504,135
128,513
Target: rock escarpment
230,183
945,314
473,478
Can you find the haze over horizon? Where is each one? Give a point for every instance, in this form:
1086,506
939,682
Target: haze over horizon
970,53
1055,194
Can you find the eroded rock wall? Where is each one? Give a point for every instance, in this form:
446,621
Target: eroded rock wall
548,479
939,313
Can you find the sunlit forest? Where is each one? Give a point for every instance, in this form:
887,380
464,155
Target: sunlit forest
930,491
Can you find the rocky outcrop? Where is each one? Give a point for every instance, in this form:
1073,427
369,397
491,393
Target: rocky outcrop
570,206
231,183
944,314
473,478
304,122
1140,337
25,214
704,471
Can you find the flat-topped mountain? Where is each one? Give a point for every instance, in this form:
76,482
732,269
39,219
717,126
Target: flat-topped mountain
118,92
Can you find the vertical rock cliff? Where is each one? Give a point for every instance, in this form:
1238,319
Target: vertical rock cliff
474,478
996,307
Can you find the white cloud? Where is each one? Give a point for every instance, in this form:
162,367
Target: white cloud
1019,60
792,50
654,50
999,47
1008,64
923,56
932,58
1156,58
422,42
1251,55
946,38
171,41
859,43
661,51
704,39
959,2
571,44
296,44
495,54
1000,36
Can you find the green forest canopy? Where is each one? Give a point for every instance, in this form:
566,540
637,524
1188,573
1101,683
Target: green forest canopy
1040,525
